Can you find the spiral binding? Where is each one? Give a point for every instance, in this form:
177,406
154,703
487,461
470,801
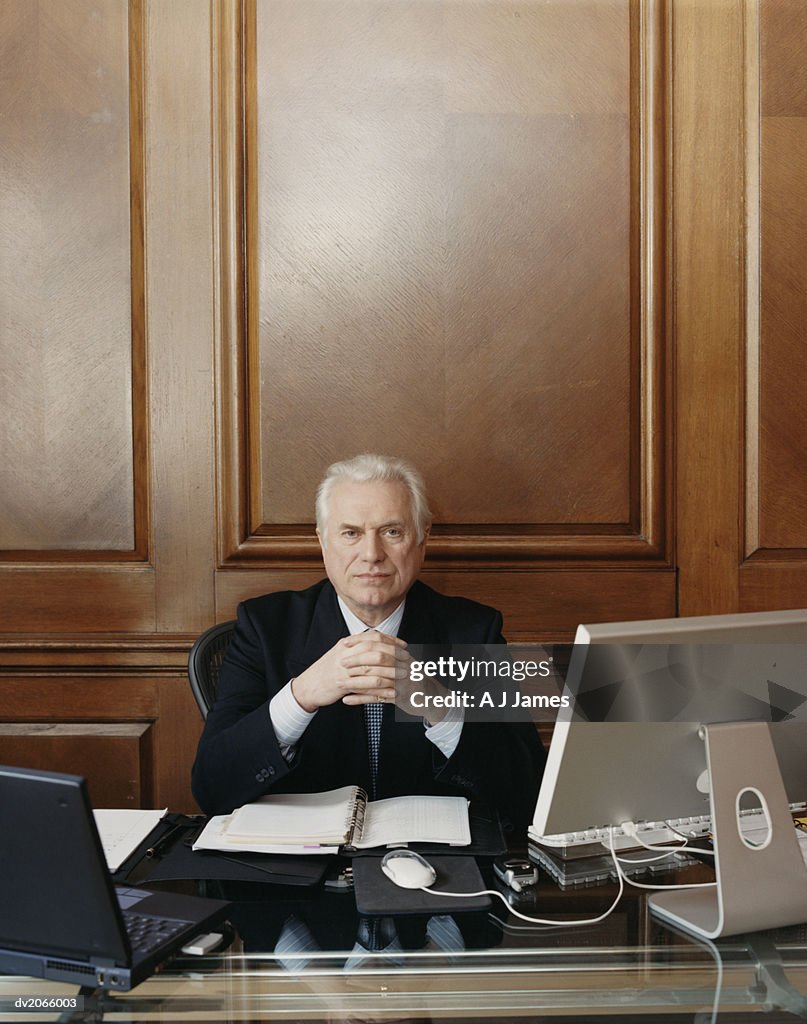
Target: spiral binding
354,826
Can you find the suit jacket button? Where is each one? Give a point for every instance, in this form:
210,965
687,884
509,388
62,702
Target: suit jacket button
271,771
259,777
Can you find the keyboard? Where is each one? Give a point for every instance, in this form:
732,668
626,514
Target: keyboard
589,842
148,933
592,841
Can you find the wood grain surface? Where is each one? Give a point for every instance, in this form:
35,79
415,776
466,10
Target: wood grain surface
551,251
66,390
783,283
439,275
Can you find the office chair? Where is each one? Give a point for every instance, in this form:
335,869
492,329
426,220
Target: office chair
204,663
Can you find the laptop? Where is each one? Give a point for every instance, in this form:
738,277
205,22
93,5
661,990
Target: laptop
60,915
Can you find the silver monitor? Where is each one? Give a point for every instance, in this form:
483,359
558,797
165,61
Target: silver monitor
692,720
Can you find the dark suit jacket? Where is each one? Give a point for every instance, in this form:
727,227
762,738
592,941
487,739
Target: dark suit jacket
277,637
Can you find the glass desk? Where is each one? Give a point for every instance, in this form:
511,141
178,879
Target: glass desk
308,956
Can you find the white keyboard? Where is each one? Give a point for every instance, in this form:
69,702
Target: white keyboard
591,841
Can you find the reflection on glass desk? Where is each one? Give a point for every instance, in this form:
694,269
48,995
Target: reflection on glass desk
309,956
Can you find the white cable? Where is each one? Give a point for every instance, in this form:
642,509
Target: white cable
622,879
540,920
643,860
515,929
643,885
655,888
524,917
630,829
676,849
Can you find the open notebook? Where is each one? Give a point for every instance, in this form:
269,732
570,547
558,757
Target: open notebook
323,822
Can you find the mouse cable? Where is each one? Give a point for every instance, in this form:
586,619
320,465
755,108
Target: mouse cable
541,920
627,827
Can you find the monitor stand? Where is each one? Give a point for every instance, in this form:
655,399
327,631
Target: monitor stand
757,887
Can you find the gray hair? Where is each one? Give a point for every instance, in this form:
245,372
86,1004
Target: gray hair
367,468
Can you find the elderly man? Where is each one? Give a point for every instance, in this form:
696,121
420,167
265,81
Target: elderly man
307,689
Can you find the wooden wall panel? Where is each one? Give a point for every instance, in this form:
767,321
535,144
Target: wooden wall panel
707,193
110,107
740,169
773,573
75,600
119,711
181,261
75,491
438,273
116,759
782,200
450,231
67,478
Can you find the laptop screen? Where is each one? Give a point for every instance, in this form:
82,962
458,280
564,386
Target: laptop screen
56,896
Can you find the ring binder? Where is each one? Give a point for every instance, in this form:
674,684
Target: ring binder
359,813
340,818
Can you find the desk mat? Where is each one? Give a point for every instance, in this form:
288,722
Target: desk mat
180,862
377,894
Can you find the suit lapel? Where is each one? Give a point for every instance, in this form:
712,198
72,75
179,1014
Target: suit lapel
418,626
338,723
327,625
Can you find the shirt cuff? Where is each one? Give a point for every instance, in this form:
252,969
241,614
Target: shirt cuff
445,735
288,719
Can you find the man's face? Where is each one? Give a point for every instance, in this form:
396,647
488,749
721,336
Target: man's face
370,546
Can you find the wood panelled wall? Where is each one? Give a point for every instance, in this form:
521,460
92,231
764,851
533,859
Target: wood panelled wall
551,252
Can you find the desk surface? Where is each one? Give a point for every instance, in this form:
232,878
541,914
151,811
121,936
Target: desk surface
309,956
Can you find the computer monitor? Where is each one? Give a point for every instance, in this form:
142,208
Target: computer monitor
693,720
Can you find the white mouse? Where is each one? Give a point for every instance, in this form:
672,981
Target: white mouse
408,869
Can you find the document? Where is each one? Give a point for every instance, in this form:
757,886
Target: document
122,831
323,822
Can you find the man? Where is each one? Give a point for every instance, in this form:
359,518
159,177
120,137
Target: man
308,672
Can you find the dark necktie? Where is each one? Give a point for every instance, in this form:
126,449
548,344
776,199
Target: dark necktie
372,720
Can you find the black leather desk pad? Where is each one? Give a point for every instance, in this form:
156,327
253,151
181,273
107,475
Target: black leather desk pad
377,894
180,862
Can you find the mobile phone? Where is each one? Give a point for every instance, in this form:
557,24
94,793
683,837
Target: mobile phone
516,872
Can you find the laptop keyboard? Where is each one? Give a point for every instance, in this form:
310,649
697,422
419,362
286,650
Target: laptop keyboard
148,933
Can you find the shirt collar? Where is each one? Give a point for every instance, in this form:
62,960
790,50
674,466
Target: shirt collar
390,625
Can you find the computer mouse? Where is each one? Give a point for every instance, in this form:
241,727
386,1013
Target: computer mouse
408,869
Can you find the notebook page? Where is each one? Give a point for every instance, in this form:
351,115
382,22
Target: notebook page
122,831
212,838
416,819
294,818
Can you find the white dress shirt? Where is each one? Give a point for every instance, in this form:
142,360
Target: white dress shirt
290,721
